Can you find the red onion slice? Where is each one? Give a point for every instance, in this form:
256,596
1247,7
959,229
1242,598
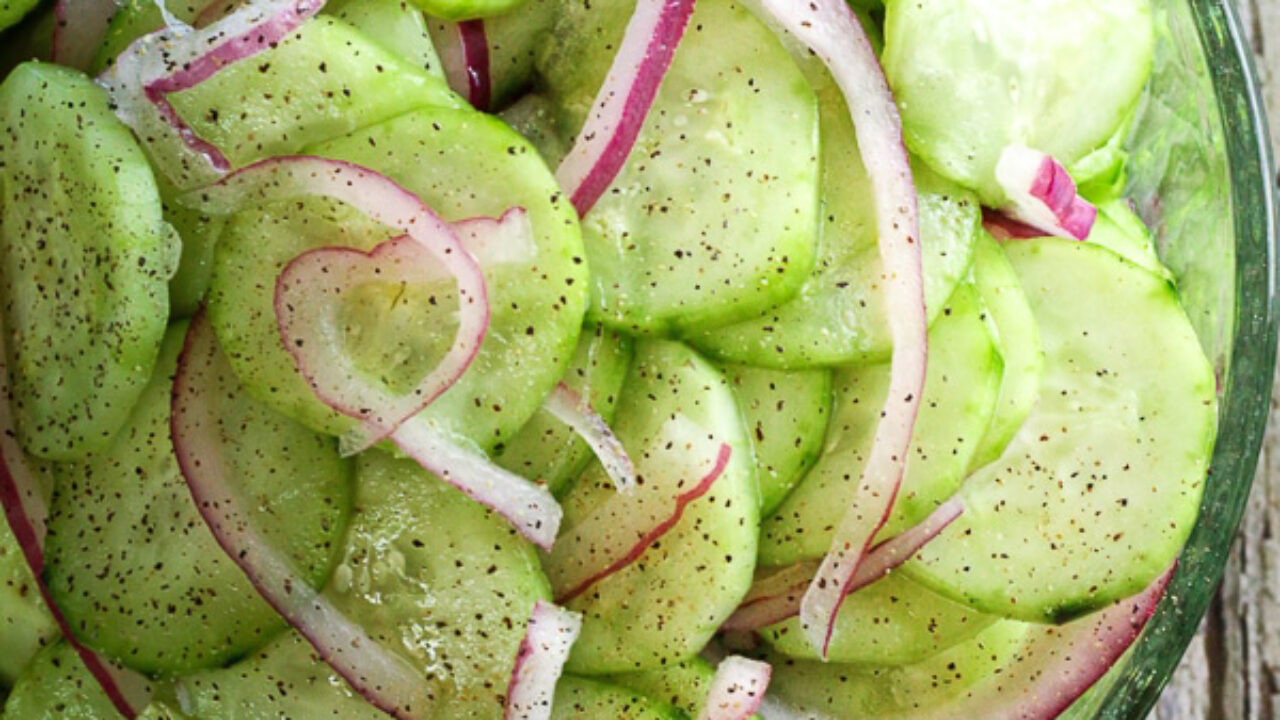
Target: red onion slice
78,30
466,62
618,532
624,101
529,507
573,410
1059,663
776,597
26,512
540,661
830,29
382,678
177,58
307,290
1043,195
1004,228
737,690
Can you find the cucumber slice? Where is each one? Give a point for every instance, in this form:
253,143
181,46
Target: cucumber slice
25,622
12,11
463,164
395,24
894,621
817,690
467,9
135,18
1009,317
838,316
581,699
57,686
786,415
714,218
975,76
1120,230
959,399
665,606
431,574
534,117
546,449
199,232
283,681
514,39
1096,494
683,686
86,260
135,568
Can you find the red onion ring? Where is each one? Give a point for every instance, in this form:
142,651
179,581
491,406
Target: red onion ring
1043,195
830,29
738,689
26,512
618,114
573,410
385,680
467,62
540,661
776,597
78,30
619,531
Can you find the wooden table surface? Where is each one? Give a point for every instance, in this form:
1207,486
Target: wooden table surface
1232,670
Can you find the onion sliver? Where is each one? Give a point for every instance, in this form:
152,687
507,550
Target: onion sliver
379,676
466,63
79,27
177,58
572,409
540,661
618,532
25,511
831,30
624,100
307,322
776,596
1043,195
737,690
1004,228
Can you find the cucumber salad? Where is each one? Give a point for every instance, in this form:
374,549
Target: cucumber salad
582,359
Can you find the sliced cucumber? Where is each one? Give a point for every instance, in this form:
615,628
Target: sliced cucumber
12,11
838,316
463,164
25,622
57,686
581,699
1009,316
715,216
431,574
283,681
786,414
546,449
135,18
395,24
959,399
683,686
1098,491
974,76
86,261
894,621
665,606
133,565
513,38
816,690
467,9
534,117
1120,230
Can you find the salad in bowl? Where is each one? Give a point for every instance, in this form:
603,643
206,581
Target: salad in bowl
586,360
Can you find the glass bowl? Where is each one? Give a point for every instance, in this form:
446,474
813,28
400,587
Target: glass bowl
1202,178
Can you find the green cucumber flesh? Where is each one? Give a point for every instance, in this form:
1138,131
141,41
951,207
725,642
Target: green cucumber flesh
1121,231
786,415
1099,490
135,568
666,605
57,686
12,11
838,316
396,24
86,259
463,164
534,117
583,699
548,451
972,77
959,399
25,622
1013,325
891,622
437,578
714,217
683,686
467,9
513,38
